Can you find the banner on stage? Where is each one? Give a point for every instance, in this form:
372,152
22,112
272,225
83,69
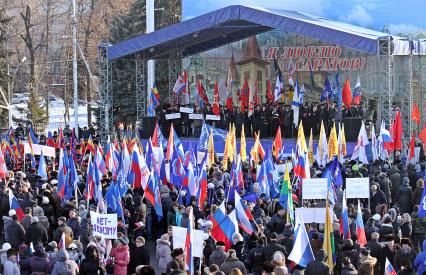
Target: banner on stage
196,116
357,188
172,116
197,240
310,215
186,110
212,117
314,189
104,225
48,151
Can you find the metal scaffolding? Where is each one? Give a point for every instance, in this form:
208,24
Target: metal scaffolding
385,79
141,92
105,76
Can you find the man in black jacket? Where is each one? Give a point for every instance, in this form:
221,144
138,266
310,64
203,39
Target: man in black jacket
255,258
16,233
36,233
139,255
278,221
377,197
318,266
272,247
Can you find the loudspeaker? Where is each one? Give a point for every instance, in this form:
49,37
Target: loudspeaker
352,127
148,126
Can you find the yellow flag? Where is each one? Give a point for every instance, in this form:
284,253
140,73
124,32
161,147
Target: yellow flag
210,156
333,149
344,152
301,141
234,142
328,244
311,148
231,150
243,150
226,152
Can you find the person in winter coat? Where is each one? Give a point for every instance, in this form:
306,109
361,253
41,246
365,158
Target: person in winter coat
406,227
347,267
218,255
238,245
178,260
39,263
406,253
11,267
277,223
388,251
319,266
16,233
36,233
91,264
367,263
74,223
121,255
419,229
163,253
407,268
420,260
63,228
418,192
47,207
404,196
42,219
26,220
7,221
375,249
64,265
232,262
385,186
279,263
139,255
377,198
347,251
386,228
395,178
255,258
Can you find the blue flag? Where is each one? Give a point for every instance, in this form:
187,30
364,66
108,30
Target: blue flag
422,204
327,92
42,167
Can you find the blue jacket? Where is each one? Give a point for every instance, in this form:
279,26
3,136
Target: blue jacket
419,262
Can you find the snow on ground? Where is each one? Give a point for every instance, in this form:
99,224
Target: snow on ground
56,114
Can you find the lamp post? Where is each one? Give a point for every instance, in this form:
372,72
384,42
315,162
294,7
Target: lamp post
11,89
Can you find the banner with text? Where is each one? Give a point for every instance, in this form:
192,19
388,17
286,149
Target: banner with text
357,188
104,225
314,189
197,240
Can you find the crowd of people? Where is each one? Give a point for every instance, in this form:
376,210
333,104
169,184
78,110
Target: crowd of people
33,244
266,118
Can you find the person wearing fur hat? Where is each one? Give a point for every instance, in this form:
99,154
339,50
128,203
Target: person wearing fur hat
375,249
65,265
389,251
139,254
279,262
406,253
232,262
218,255
7,221
404,196
178,256
36,233
238,245
163,253
39,262
121,255
367,262
347,251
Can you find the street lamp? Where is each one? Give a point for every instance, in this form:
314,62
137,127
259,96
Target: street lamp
11,89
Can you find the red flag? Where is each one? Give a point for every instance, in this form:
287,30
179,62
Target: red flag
202,93
422,136
411,152
346,94
244,95
216,109
269,94
415,114
256,94
278,144
396,132
229,103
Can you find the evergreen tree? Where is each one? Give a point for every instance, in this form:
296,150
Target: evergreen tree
123,74
36,111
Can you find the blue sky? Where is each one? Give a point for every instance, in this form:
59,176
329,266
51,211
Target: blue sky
401,15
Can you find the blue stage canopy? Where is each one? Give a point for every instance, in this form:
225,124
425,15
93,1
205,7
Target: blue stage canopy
234,23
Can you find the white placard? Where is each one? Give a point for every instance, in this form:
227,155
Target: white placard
186,110
48,151
212,117
310,215
196,116
104,225
197,240
314,189
357,188
172,116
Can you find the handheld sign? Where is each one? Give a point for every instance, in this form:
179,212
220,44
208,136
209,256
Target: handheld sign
212,117
186,110
172,116
357,188
196,116
104,225
314,189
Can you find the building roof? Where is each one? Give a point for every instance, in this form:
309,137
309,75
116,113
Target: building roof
234,23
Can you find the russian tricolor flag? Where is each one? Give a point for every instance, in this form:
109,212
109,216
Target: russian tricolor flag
14,204
61,244
189,260
360,232
389,268
243,215
344,222
301,254
223,226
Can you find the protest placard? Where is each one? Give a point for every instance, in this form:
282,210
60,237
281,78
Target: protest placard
212,117
172,116
357,188
48,151
104,225
310,215
186,110
196,116
197,240
314,189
